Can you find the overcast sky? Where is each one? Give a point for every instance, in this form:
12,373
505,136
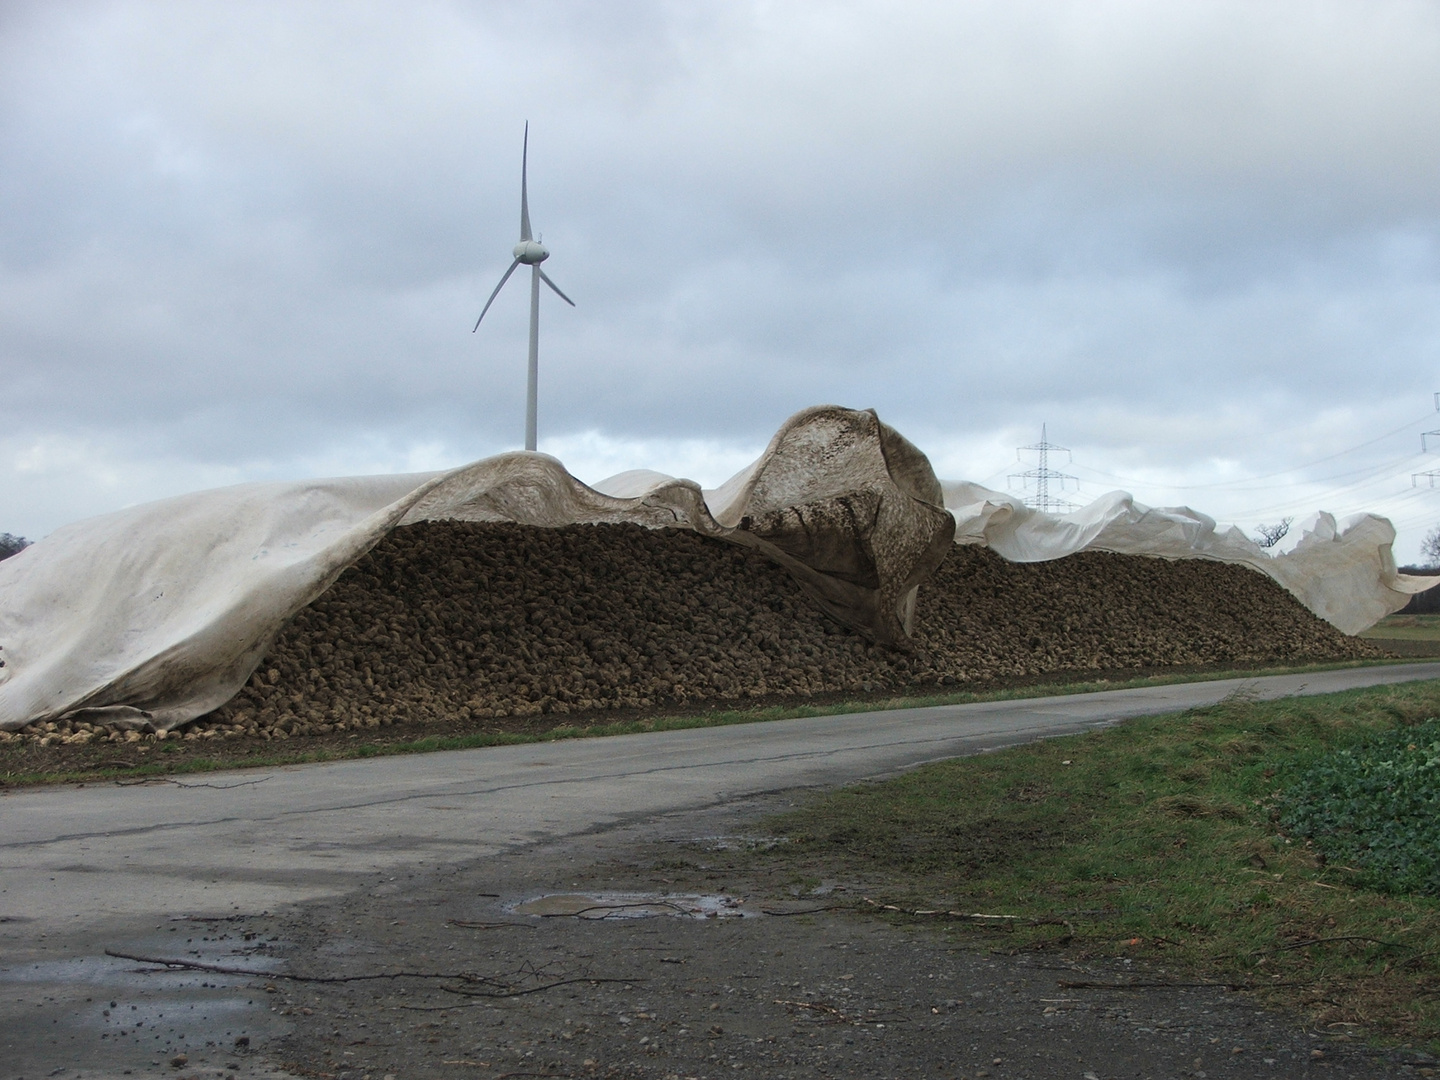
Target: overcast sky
249,241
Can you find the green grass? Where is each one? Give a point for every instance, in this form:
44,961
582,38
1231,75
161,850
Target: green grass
178,758
1405,628
1164,840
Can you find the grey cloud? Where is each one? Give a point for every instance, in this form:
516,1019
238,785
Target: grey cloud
245,239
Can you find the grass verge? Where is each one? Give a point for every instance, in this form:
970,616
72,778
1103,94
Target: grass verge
1158,840
28,765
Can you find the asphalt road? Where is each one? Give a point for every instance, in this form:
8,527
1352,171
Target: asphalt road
191,866
73,857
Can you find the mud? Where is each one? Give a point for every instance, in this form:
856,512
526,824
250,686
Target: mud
804,988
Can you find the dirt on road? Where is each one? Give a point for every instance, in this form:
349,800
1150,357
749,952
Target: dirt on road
668,950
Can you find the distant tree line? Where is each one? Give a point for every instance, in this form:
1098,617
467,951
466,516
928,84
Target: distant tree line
1427,602
10,544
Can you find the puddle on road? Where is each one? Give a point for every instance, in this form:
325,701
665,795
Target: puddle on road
101,1015
733,843
632,906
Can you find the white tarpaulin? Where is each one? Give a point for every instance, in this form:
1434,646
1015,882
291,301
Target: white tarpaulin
161,612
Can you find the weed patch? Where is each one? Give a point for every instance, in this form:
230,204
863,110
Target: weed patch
1373,805
1163,840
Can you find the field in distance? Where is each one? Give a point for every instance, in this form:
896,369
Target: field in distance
1407,635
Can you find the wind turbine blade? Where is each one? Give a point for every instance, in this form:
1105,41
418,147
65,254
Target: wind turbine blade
504,278
546,278
524,193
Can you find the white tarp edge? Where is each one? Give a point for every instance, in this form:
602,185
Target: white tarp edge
109,611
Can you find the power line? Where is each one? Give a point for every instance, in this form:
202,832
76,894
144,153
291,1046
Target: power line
1043,480
1364,477
1273,475
1042,476
1378,477
1239,486
1429,475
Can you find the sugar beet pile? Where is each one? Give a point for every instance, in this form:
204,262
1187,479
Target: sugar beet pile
448,619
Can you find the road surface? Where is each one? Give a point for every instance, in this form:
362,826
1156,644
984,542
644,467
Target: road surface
147,868
257,839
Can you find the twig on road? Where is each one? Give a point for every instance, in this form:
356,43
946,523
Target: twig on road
489,925
510,991
946,914
226,969
499,987
979,917
1087,985
177,783
582,912
816,1006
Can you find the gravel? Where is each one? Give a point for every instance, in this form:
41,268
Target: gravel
825,993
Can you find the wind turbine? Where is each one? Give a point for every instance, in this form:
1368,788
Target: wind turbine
531,253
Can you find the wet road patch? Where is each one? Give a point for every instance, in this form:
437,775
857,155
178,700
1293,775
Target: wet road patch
633,906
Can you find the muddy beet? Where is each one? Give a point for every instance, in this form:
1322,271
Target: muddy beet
509,625
497,620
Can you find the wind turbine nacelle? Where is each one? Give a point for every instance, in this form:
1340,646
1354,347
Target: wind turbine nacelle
531,252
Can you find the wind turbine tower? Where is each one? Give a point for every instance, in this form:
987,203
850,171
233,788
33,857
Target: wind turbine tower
529,252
